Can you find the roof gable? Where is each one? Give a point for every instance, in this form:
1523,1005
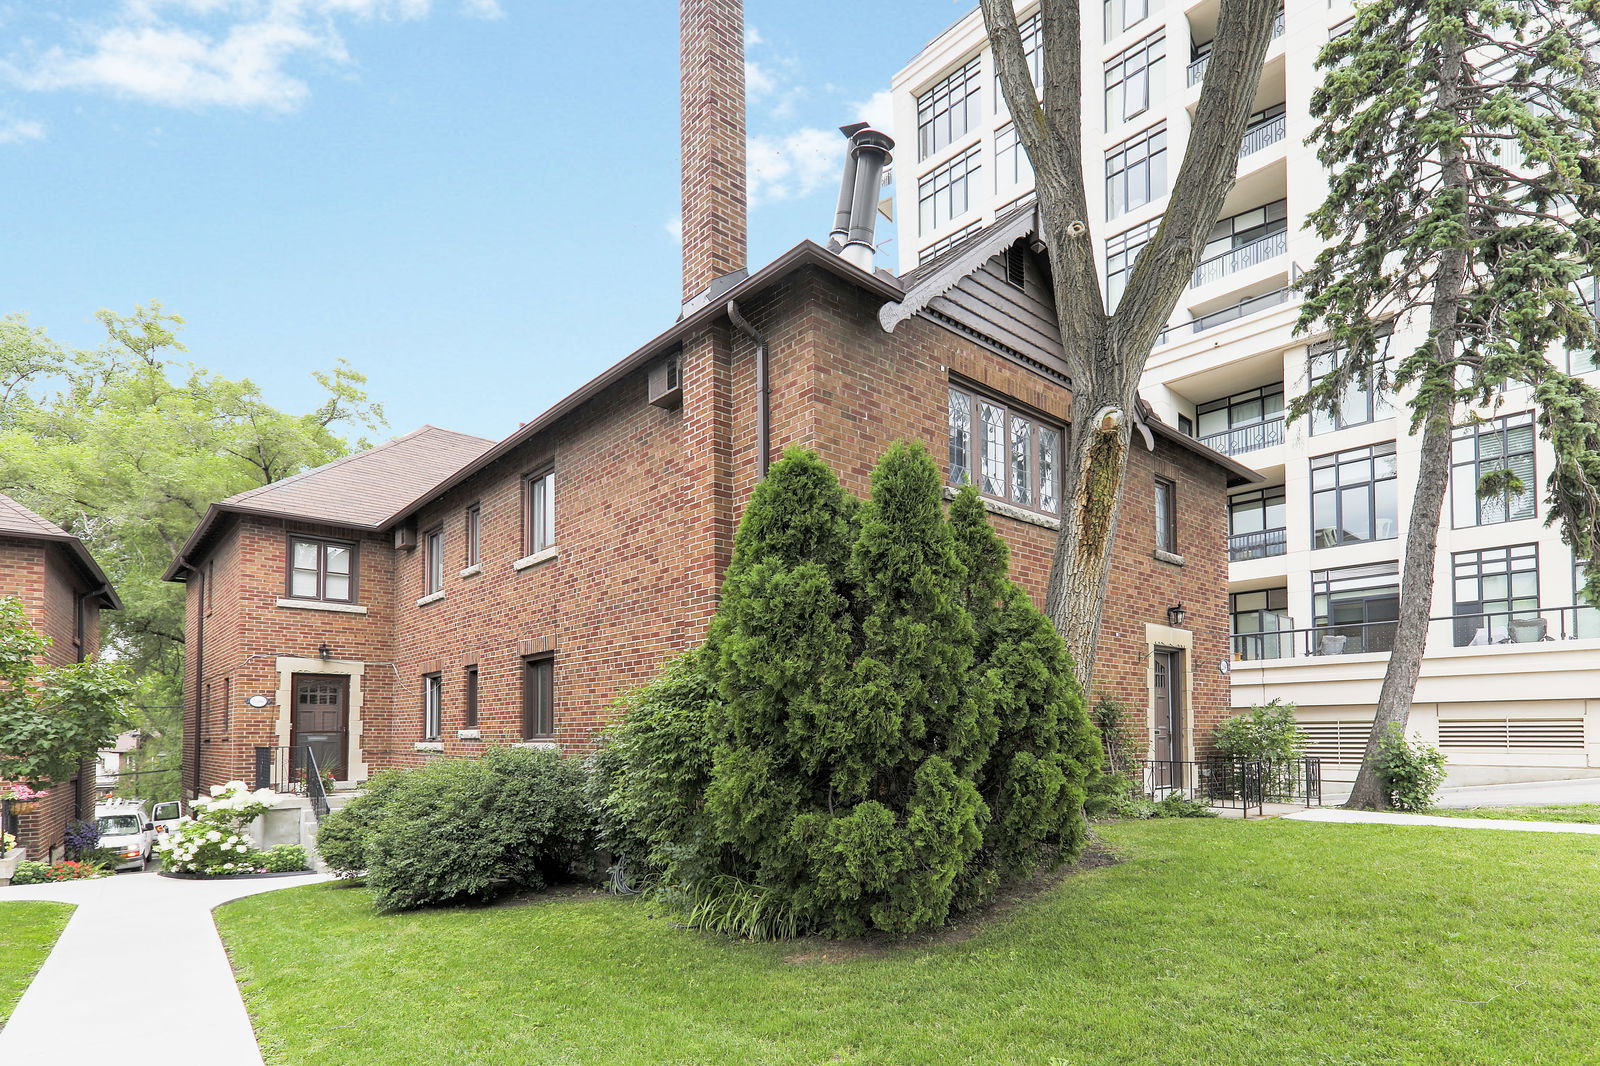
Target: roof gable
18,521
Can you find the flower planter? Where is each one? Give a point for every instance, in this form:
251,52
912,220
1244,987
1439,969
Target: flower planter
9,862
24,806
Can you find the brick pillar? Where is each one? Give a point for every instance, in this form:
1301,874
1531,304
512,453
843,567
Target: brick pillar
712,114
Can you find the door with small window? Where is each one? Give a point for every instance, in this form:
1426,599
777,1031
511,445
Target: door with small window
1166,717
320,722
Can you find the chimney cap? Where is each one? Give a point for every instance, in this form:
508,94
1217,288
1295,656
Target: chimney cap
853,128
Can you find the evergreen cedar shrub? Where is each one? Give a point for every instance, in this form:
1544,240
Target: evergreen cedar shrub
879,729
463,830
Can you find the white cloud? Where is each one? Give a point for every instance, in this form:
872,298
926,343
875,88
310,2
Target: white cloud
877,109
758,82
793,165
16,130
674,228
213,53
752,36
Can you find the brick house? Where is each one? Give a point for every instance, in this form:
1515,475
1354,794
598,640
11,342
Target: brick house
62,591
443,593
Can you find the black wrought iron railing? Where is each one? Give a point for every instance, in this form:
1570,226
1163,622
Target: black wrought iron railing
1262,544
293,770
1234,784
1263,136
1487,629
1250,438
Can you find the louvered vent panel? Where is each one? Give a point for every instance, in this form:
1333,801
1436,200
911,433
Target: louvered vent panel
1543,733
1337,742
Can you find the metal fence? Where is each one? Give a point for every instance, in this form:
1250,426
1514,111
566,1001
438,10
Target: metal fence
293,771
1233,784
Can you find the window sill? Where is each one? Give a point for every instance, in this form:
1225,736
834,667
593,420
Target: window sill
472,571
467,734
432,597
1167,557
535,559
428,745
323,605
537,745
1010,510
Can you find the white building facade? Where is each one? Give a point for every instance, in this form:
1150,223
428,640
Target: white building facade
1510,686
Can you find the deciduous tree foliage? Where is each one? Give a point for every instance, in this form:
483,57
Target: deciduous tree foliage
1463,139
879,729
52,718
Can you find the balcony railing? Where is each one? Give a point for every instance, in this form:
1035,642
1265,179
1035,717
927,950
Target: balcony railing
1241,258
1262,544
1263,136
1251,438
1487,629
1197,69
1231,313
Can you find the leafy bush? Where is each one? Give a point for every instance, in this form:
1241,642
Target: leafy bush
281,859
466,829
1134,806
1411,771
1110,717
880,728
1266,731
213,843
29,872
343,836
80,838
108,859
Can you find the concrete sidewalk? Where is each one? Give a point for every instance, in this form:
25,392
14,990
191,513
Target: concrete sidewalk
1325,814
152,940
1522,794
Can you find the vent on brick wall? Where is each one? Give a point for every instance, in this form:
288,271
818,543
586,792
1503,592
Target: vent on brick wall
666,381
1337,742
405,536
1544,733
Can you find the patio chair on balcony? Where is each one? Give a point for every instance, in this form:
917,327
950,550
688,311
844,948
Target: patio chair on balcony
1528,630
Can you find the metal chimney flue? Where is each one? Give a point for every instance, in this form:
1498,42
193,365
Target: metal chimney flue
868,154
847,190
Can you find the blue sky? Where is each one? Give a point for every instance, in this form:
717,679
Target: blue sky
470,200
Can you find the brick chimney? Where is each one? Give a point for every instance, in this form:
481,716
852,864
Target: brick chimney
712,104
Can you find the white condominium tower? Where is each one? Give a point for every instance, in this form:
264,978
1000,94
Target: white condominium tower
1510,686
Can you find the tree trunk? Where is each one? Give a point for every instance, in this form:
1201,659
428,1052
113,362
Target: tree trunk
1433,474
1081,568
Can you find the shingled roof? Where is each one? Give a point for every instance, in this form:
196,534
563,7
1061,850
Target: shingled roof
18,521
361,491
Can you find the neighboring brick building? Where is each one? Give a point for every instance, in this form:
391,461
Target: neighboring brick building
62,591
440,594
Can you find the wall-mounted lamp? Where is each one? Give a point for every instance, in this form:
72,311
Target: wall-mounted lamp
325,653
1175,616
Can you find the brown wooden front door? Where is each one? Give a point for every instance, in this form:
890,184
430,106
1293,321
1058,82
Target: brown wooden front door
1167,714
321,722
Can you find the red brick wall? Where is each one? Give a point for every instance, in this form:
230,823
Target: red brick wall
647,501
48,582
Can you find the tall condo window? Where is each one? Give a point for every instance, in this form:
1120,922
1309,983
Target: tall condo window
322,569
539,511
1031,31
433,561
432,706
469,716
1246,228
1363,399
1009,455
1497,591
1355,608
948,110
1257,521
1124,15
1353,496
474,535
1243,422
1129,77
538,698
946,194
1011,164
1492,447
1136,171
1166,516
1122,251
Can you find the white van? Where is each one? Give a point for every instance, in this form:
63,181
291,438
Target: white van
125,828
168,815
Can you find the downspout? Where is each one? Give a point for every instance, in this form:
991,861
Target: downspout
199,671
763,389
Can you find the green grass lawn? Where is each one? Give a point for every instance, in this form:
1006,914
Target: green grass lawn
1555,812
1215,942
28,929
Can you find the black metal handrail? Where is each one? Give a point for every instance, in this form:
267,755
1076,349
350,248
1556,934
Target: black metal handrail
1262,136
1268,246
292,770
1234,784
1262,544
1250,438
1534,625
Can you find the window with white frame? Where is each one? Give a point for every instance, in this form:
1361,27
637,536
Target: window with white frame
1130,76
321,569
433,561
539,511
946,194
1124,15
1491,447
1492,589
432,706
1012,166
1122,251
1136,171
1008,454
947,111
